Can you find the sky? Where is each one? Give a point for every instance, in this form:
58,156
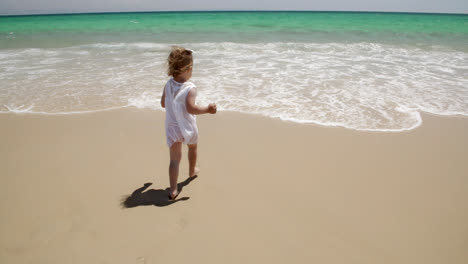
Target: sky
21,7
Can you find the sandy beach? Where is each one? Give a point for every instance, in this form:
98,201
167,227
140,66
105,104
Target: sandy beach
269,191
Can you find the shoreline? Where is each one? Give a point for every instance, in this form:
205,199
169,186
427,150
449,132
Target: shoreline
421,114
269,191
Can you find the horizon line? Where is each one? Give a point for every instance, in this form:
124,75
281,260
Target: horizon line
231,11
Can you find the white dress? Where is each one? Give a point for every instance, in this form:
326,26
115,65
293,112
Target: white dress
181,126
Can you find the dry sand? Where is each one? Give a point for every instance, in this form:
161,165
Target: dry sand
269,192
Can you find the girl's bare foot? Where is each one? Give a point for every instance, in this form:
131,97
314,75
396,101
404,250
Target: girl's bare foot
173,194
194,172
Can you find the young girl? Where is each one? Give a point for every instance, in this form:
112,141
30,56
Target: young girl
181,127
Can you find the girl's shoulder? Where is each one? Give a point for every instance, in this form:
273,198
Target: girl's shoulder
188,86
169,82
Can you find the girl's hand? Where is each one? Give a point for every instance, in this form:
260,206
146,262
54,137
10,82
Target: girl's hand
212,108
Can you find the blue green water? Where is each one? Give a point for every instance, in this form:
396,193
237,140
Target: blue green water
364,71
233,26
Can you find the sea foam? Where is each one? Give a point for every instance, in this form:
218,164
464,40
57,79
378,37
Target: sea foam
362,86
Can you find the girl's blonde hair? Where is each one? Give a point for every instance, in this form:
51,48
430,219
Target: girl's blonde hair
179,61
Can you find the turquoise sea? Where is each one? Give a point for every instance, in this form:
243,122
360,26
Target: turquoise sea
363,71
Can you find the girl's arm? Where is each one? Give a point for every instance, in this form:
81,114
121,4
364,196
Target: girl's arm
163,98
194,109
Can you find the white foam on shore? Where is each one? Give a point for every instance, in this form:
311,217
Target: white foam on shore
362,86
145,100
29,111
19,109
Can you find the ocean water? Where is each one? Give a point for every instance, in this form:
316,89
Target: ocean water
363,71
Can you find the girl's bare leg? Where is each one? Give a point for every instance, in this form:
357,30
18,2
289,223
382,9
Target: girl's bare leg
192,157
175,156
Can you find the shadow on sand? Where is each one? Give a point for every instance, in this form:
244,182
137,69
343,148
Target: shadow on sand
154,197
